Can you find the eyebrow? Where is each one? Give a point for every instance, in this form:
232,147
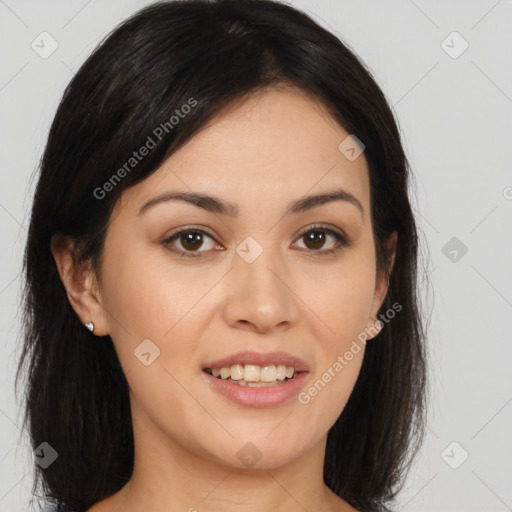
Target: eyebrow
217,205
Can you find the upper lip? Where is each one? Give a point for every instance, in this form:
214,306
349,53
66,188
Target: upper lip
260,359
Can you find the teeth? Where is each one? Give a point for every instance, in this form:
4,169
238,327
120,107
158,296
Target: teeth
237,372
281,371
253,375
255,384
269,373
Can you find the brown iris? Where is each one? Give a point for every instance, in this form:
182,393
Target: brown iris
191,240
317,238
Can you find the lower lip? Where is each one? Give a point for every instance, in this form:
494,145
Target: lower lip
258,398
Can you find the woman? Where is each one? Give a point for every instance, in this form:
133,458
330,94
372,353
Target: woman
221,305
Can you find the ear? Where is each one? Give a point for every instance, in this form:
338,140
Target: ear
80,283
381,288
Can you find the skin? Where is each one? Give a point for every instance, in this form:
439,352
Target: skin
261,154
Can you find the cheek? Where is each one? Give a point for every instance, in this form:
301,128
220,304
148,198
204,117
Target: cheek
341,296
150,299
351,305
326,395
343,303
344,308
147,296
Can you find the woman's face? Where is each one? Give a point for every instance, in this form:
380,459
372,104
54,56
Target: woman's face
259,281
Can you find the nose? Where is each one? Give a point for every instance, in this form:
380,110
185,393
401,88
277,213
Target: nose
260,295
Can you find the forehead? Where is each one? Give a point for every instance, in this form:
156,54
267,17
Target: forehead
271,147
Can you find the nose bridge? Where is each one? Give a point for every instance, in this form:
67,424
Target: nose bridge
258,265
258,292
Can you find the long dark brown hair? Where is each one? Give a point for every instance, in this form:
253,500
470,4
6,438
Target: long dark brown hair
76,396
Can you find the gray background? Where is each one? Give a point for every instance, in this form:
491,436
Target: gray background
455,115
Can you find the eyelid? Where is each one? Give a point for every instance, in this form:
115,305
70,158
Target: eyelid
191,228
321,227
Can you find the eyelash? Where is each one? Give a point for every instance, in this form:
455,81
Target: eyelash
341,240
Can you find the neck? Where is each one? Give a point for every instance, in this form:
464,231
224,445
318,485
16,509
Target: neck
169,474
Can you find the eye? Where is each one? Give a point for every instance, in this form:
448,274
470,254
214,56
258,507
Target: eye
191,239
316,236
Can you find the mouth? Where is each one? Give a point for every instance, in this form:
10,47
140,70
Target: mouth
256,379
254,393
254,376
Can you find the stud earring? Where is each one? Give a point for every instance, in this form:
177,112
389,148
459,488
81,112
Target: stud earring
90,326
